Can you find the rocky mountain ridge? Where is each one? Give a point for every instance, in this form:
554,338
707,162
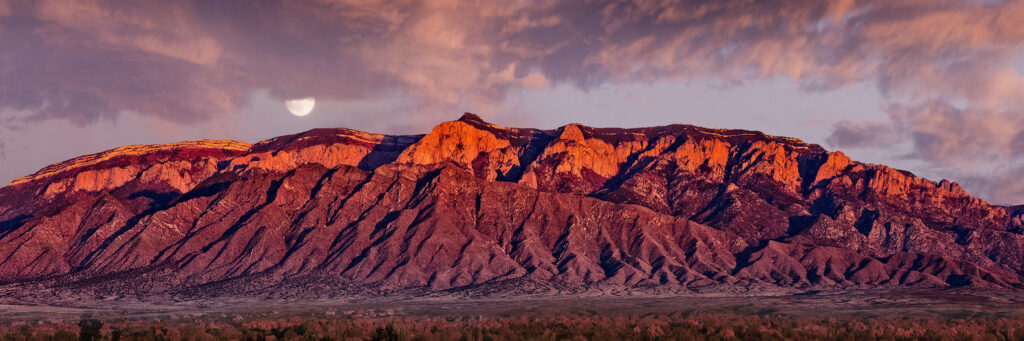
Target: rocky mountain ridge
475,206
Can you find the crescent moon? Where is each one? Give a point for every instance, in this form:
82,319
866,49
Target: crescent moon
300,106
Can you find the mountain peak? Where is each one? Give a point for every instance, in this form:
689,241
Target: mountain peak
460,141
473,204
471,118
572,132
479,123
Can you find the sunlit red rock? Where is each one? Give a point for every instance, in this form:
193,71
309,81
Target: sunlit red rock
475,205
179,165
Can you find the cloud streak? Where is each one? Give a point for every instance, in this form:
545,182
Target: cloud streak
944,68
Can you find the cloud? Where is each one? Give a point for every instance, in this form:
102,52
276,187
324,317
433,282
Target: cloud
215,53
847,134
1000,185
83,65
944,67
979,147
943,133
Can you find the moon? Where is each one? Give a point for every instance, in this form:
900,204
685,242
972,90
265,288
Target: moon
300,106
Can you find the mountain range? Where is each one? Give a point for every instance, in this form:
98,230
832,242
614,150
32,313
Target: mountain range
475,207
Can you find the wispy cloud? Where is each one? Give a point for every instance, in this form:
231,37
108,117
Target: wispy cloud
863,134
944,67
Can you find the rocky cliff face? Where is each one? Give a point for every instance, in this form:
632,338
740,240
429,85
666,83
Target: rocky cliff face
474,206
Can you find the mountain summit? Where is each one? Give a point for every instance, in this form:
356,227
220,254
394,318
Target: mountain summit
476,207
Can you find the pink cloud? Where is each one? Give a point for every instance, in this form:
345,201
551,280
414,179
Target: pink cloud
946,66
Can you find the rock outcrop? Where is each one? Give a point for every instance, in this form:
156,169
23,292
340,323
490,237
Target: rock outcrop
179,165
472,205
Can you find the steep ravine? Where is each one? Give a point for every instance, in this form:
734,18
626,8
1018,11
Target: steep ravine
475,206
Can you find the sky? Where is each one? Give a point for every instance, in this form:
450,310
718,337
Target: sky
932,86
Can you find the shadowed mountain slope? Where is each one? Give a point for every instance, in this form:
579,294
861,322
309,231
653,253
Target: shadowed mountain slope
474,206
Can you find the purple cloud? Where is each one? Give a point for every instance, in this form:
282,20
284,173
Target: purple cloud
945,67
846,134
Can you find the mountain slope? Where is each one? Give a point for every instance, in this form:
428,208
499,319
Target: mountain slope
474,206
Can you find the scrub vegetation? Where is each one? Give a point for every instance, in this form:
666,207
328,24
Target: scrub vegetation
696,326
